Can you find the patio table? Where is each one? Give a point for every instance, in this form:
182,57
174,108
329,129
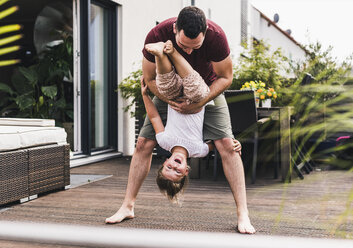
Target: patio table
281,114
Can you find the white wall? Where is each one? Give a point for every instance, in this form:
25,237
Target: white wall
227,14
276,39
135,19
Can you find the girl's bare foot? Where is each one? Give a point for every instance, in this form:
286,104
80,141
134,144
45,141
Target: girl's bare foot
244,225
155,48
169,48
122,214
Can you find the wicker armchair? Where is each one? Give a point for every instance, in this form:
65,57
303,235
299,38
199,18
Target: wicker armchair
33,169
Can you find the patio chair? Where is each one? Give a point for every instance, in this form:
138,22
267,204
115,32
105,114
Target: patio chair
301,158
245,126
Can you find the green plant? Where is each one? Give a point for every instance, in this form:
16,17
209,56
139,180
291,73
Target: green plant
259,63
322,106
38,90
130,88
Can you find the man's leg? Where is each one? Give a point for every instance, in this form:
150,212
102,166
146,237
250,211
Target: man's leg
140,165
217,127
139,168
234,172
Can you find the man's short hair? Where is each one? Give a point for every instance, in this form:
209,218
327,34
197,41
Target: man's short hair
192,20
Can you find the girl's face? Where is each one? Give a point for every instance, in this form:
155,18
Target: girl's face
175,167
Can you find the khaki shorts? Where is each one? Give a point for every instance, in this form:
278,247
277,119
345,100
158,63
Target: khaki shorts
216,124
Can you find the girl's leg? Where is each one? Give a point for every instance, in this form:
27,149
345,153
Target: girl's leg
167,81
182,67
163,64
194,87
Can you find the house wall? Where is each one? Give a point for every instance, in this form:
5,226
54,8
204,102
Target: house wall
275,38
227,14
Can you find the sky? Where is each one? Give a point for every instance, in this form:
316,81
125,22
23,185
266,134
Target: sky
328,21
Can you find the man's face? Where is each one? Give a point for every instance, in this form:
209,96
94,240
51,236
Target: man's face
188,45
175,168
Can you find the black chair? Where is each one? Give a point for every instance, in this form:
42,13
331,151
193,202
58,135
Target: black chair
301,158
245,125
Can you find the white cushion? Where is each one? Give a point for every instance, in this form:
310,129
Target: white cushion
27,122
18,137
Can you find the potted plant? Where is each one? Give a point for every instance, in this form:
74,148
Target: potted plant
130,88
263,95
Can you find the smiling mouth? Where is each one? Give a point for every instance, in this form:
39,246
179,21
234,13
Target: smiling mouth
177,160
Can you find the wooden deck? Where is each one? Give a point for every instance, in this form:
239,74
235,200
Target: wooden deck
320,206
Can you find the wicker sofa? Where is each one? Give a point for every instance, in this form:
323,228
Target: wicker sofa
34,159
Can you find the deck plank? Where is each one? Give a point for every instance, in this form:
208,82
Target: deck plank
319,206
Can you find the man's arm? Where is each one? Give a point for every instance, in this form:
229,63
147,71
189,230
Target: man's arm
224,71
151,110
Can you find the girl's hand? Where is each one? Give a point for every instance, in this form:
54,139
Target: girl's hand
236,146
144,87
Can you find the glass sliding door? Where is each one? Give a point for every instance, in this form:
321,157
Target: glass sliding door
98,59
98,66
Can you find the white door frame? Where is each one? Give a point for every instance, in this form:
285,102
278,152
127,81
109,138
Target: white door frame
77,76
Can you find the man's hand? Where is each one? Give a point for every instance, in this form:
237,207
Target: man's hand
182,106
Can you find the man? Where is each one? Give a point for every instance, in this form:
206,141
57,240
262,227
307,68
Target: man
204,45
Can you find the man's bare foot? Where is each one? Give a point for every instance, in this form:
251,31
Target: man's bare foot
122,214
244,224
169,48
155,48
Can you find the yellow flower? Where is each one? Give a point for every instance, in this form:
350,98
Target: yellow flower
260,89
